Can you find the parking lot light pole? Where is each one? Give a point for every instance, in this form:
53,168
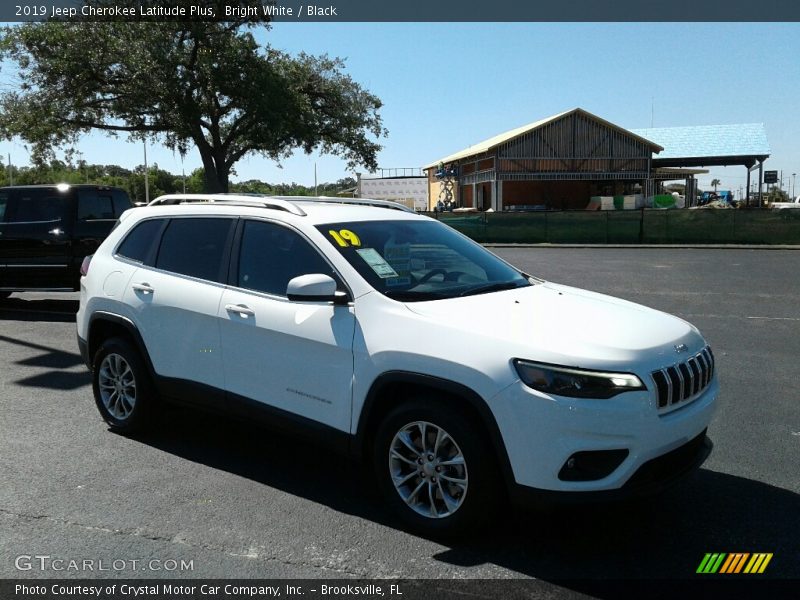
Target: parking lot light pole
146,181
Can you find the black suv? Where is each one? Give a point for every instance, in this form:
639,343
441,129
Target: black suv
47,230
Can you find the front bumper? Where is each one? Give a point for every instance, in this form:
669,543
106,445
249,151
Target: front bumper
541,433
652,477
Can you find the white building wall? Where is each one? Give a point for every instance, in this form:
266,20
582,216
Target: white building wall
411,191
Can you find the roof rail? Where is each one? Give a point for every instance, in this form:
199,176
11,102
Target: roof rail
231,199
285,203
352,201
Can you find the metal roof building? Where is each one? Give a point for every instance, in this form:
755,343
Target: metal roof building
559,162
743,145
562,161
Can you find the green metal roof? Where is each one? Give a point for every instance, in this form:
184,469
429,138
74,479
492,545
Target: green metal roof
747,139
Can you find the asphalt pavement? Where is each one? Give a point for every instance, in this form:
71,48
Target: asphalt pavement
237,501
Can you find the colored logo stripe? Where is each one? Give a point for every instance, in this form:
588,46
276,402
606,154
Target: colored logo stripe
721,562
758,563
735,562
710,563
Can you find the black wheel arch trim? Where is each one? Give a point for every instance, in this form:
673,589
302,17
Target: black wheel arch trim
450,387
130,327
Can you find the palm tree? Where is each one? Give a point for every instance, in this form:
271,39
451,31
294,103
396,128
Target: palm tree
715,183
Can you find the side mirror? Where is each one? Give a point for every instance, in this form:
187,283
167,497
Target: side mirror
314,288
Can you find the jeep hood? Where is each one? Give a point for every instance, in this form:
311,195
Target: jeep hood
565,325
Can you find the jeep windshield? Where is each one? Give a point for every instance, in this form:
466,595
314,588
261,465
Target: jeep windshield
412,261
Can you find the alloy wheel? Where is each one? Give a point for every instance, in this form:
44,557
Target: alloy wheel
428,469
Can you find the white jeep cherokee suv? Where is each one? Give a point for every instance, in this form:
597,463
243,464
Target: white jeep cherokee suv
398,340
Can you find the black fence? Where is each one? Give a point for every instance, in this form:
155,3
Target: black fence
644,226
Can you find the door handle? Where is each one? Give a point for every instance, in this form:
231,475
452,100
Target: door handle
143,287
244,311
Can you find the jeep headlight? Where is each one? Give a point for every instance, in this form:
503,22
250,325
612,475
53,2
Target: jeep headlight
576,383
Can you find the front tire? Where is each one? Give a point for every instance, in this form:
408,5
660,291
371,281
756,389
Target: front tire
435,468
122,389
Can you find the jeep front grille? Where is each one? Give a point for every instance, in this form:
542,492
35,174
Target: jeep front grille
684,381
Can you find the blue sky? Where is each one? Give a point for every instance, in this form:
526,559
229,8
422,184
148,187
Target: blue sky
445,86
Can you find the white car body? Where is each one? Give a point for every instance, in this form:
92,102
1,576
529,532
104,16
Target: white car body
795,203
320,361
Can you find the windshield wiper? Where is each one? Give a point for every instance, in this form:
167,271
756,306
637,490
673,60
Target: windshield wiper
412,296
493,287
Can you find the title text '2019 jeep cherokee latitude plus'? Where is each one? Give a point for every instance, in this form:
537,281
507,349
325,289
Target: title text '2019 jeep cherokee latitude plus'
397,338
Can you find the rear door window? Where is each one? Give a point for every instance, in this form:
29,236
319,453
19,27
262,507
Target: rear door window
196,247
38,206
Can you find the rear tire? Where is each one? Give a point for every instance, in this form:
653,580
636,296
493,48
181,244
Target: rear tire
435,468
123,391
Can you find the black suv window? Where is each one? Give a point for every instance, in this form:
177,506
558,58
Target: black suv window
121,201
38,205
195,247
3,204
138,242
94,205
271,255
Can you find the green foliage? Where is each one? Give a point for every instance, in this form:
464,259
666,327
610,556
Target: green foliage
776,194
202,84
161,182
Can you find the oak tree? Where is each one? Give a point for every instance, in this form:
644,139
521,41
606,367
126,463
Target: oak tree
206,84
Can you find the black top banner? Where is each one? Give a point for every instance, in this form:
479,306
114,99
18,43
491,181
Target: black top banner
405,10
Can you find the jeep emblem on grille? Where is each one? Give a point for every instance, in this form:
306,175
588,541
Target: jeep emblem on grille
681,348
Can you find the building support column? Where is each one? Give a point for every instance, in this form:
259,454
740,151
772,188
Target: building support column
474,195
499,195
747,195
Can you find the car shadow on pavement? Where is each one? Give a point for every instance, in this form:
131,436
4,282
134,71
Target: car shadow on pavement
662,537
43,310
55,363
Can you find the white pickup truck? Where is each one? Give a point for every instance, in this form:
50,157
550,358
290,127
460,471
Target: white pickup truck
790,204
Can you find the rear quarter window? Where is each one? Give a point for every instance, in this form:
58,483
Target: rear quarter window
121,201
137,244
94,206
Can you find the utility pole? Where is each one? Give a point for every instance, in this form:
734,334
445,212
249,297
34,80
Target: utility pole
315,179
10,171
146,180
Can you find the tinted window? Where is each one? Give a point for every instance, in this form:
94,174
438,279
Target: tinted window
194,247
271,255
140,239
93,205
121,201
37,205
3,204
